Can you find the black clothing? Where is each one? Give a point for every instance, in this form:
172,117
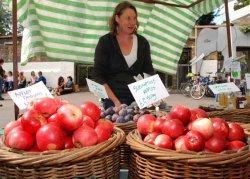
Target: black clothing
1,71
111,67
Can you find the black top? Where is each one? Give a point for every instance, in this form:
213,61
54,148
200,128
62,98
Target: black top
1,71
111,67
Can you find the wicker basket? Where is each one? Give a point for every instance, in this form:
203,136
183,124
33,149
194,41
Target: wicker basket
148,161
125,149
99,161
235,115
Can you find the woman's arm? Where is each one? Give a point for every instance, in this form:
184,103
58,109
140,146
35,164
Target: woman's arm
101,68
112,96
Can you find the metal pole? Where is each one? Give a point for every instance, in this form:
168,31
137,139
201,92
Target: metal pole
229,43
14,39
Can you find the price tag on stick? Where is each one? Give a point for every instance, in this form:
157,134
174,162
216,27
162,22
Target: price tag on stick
22,97
97,89
148,91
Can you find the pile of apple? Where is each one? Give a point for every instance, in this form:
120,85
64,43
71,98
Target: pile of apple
55,124
185,129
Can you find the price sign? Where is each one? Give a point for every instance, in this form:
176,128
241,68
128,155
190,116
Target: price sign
97,89
22,97
224,88
148,91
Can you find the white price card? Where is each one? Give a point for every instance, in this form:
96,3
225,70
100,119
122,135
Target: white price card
148,91
22,97
224,88
97,89
247,76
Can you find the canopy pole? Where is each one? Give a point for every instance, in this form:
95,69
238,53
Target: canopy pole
14,60
229,43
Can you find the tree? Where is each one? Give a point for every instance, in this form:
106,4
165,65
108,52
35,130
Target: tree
241,3
207,19
238,5
6,21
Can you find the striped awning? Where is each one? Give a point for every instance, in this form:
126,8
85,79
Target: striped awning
68,30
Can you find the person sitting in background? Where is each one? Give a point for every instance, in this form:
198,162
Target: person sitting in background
33,78
1,78
21,81
60,85
41,78
10,81
68,88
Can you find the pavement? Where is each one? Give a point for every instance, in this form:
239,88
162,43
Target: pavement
7,108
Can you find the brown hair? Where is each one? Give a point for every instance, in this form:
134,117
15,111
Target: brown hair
1,61
118,11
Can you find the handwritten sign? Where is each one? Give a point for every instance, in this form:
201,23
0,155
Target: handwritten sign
97,89
148,91
224,88
247,76
22,97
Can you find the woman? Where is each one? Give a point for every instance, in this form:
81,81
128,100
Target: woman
121,55
21,80
33,78
60,85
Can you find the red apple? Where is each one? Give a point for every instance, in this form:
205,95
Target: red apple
235,145
70,117
20,139
158,124
50,137
215,144
194,141
179,143
90,109
84,136
107,125
102,132
150,138
164,141
46,106
32,120
145,124
204,126
12,124
180,112
173,128
221,128
236,132
88,121
197,113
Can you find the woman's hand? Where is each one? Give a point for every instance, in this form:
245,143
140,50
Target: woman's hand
117,103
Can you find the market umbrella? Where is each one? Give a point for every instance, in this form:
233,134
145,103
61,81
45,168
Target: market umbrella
69,30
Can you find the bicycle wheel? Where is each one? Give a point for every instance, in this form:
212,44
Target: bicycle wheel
197,91
185,89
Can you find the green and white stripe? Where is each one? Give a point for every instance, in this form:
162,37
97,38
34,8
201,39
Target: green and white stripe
69,29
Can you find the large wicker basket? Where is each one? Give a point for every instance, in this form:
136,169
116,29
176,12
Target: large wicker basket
235,115
99,161
125,149
148,161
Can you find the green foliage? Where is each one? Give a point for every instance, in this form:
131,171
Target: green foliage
245,28
238,5
241,3
6,20
207,19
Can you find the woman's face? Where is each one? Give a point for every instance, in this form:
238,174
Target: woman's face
127,21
